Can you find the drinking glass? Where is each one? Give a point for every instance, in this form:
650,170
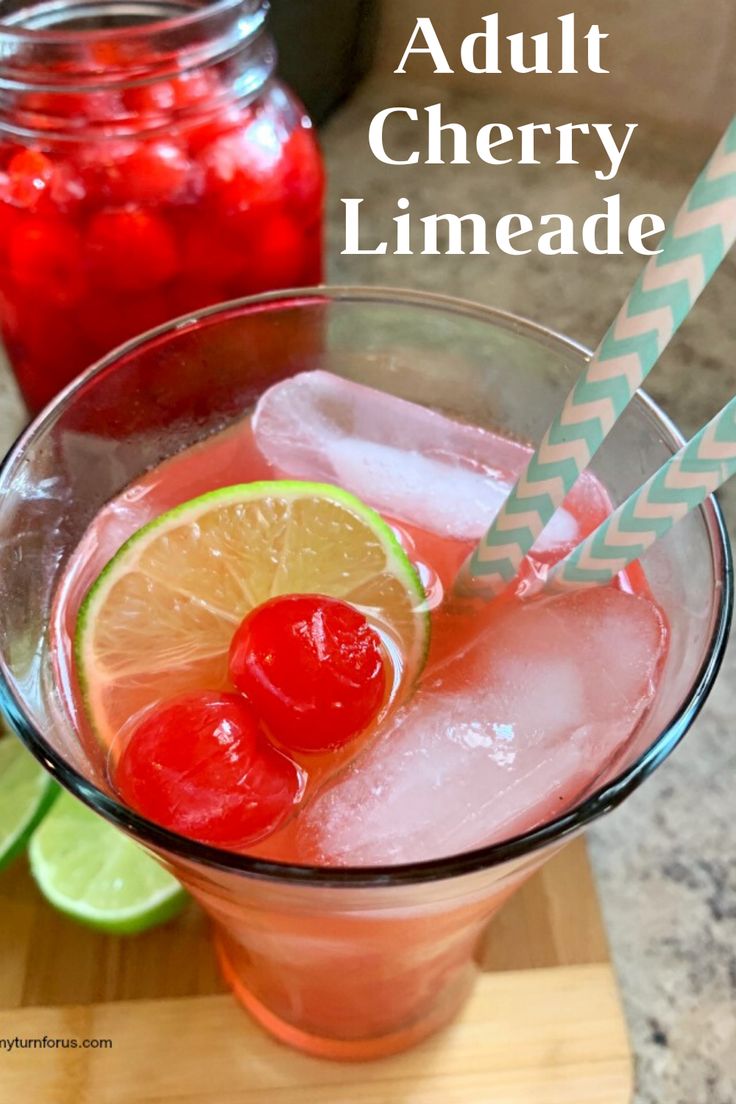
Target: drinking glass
340,962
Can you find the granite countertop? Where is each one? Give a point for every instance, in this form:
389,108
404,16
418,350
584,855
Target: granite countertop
666,861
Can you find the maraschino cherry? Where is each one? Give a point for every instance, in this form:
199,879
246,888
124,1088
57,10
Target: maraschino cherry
312,668
200,765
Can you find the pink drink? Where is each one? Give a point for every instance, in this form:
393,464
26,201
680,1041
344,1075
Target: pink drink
521,709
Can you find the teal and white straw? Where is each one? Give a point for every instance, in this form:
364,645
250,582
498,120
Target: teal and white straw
691,251
680,485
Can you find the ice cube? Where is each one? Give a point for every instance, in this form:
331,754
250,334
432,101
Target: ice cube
398,482
407,461
506,737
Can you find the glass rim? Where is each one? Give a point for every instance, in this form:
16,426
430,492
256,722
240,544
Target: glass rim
57,35
605,798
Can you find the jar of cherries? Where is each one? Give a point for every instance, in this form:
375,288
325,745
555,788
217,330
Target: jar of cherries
150,165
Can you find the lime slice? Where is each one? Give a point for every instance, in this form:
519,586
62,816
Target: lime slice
159,620
26,793
94,873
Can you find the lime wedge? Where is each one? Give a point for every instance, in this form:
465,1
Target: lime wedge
96,874
26,793
160,618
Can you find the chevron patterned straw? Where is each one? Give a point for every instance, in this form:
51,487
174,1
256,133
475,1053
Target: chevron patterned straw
691,251
680,485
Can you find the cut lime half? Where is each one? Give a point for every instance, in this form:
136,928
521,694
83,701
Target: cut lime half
26,793
96,874
160,618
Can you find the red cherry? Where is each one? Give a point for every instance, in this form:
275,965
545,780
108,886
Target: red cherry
29,174
97,166
102,107
50,107
209,255
158,98
45,255
131,250
229,119
40,186
154,172
277,257
108,54
313,669
241,173
200,765
162,97
66,190
32,164
199,86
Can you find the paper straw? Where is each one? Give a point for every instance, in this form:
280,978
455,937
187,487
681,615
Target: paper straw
680,485
691,251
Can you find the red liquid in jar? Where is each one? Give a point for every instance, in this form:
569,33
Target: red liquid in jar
105,237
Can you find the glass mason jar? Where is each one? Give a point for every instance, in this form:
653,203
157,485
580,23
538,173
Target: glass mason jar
150,165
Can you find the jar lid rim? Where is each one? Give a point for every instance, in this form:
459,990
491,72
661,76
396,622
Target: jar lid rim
57,33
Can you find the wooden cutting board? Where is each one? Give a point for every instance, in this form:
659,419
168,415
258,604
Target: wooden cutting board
544,1025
